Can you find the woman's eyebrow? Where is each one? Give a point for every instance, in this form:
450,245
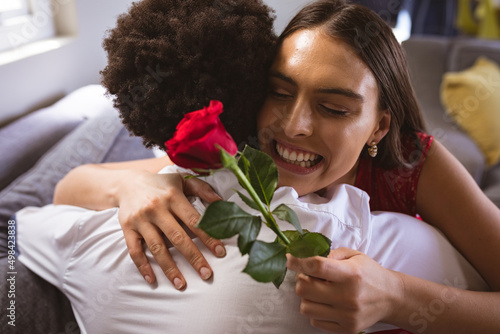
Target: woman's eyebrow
279,75
337,91
342,91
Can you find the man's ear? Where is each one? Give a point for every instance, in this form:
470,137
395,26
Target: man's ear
382,128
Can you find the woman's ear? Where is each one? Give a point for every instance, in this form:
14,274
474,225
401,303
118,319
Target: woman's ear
382,128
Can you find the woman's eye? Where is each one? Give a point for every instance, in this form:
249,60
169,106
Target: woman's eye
333,111
279,95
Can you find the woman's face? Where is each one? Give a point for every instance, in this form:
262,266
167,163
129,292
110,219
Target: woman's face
320,112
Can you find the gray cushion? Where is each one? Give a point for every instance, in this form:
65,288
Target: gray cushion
25,140
127,147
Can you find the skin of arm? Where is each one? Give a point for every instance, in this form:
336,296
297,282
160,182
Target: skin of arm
151,206
449,199
97,186
349,291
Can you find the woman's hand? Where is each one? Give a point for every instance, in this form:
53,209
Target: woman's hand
346,292
151,206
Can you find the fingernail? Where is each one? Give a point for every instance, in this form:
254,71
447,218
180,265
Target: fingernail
205,273
220,251
148,279
178,284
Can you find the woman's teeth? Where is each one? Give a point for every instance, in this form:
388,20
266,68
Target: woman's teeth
303,159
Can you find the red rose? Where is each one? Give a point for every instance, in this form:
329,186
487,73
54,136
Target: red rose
195,139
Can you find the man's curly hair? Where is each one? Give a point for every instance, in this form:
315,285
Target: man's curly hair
170,57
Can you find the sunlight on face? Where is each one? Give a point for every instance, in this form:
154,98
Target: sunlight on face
320,112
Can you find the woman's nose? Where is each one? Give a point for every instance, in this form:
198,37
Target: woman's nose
298,121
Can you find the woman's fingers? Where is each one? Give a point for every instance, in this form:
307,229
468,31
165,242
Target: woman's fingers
347,289
159,250
330,318
185,245
315,289
316,311
134,245
197,187
343,253
157,215
317,266
328,326
185,211
327,306
323,316
332,268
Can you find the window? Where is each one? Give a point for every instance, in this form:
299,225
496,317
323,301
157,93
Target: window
24,21
12,8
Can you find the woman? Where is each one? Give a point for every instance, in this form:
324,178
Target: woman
339,88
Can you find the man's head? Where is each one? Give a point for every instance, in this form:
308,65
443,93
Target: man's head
170,57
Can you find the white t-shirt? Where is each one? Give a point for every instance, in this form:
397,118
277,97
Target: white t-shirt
83,253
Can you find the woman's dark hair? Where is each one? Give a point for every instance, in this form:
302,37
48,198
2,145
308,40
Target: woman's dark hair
374,42
170,57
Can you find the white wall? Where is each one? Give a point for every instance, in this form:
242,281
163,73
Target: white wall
285,11
30,83
38,81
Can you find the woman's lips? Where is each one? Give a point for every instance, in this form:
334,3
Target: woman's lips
296,160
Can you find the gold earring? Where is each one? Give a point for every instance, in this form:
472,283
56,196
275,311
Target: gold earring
373,149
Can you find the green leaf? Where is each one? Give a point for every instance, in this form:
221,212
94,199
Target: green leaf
248,235
310,244
225,219
283,212
262,173
291,235
267,261
248,201
278,280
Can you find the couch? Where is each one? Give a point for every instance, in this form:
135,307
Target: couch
39,149
429,58
83,127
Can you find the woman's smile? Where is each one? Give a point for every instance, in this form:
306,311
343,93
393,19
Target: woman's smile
295,159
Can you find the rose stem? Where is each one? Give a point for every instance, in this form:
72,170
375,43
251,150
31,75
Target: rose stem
246,184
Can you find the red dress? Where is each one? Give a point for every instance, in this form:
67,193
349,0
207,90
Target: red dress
395,189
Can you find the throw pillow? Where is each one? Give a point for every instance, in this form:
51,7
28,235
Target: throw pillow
472,99
25,140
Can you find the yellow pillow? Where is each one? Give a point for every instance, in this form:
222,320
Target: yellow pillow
472,98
